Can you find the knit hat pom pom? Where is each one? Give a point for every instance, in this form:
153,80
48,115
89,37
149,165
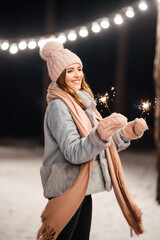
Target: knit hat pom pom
49,47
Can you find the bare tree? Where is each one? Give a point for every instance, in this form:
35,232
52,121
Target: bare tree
157,106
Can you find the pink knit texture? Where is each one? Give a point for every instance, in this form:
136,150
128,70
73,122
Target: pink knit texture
109,125
58,58
135,129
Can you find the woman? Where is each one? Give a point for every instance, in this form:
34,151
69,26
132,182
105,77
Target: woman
76,162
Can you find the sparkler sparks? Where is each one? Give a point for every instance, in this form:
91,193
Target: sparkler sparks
103,99
144,106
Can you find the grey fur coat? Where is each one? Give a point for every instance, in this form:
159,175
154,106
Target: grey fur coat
65,151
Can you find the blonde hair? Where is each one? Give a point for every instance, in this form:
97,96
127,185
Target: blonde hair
63,85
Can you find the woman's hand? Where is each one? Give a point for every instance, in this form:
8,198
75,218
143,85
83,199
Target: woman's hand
135,129
107,126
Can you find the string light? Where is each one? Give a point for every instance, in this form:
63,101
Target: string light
130,12
32,44
22,45
72,35
105,23
51,37
143,5
96,27
62,38
41,42
5,45
13,48
83,32
117,17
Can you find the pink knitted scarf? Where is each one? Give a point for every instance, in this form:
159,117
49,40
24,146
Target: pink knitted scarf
60,210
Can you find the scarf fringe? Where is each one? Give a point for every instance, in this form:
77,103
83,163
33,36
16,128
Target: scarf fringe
46,232
137,225
136,219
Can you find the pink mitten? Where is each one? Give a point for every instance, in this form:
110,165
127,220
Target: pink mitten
135,129
109,125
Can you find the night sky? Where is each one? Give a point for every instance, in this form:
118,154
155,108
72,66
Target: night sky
22,98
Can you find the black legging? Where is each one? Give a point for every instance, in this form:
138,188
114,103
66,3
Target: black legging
78,228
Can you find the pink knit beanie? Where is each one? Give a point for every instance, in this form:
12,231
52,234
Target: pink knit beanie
57,58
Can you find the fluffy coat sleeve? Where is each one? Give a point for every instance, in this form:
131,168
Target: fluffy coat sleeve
63,129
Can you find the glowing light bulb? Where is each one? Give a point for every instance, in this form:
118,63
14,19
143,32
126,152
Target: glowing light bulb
32,44
95,27
105,23
62,38
83,32
5,45
130,12
41,42
22,45
72,36
118,19
52,37
143,5
13,48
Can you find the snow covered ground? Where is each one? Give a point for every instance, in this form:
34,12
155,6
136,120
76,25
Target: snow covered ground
22,201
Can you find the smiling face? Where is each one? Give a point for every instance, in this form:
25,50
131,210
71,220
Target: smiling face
74,75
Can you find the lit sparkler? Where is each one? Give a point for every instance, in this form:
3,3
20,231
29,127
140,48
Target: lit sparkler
103,99
144,106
